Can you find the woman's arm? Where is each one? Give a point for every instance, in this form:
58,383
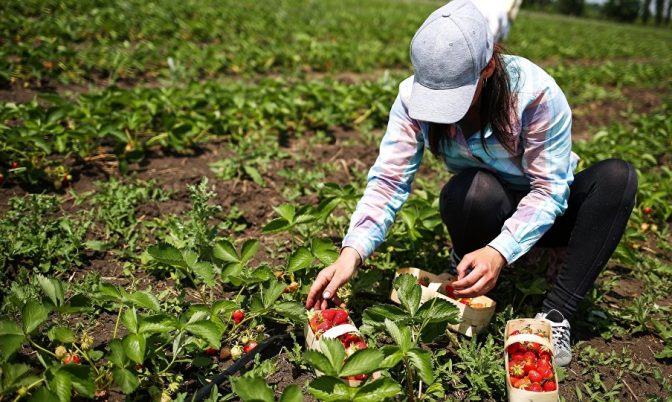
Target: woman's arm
389,185
547,122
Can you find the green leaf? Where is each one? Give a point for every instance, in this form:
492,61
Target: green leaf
156,324
206,330
375,316
431,331
294,311
81,378
107,291
254,174
61,334
205,272
393,356
53,288
409,293
334,351
292,394
438,310
249,250
117,355
319,362
379,390
43,395
271,292
286,211
422,361
252,389
276,226
330,389
130,320
125,379
224,250
33,315
62,386
300,259
324,250
400,334
134,347
167,254
144,300
11,339
363,361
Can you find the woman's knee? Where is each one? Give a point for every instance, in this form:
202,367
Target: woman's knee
472,189
617,176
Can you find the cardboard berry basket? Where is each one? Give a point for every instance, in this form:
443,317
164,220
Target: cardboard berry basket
537,326
474,317
313,342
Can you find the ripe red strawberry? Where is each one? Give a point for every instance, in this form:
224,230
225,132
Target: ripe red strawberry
545,356
534,376
543,365
450,291
324,326
517,357
361,345
249,346
550,386
533,347
361,377
238,316
15,165
424,281
514,332
546,374
647,210
515,348
71,359
341,317
522,383
2,179
535,387
516,371
329,314
211,351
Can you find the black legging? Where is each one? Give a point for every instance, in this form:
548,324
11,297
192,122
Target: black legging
474,205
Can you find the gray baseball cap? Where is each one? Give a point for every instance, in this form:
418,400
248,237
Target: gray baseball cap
448,53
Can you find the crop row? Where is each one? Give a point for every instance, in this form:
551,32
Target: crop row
79,41
42,140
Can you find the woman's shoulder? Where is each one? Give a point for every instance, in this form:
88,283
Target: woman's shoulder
527,78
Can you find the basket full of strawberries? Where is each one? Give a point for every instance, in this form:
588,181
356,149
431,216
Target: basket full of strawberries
528,358
335,323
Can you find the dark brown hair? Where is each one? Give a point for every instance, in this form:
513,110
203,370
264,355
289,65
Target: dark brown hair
497,103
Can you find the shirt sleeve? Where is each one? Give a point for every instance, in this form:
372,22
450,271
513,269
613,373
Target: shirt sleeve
547,125
389,182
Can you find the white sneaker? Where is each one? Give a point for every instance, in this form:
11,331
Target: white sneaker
560,335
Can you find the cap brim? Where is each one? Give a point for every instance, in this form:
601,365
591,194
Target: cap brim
445,106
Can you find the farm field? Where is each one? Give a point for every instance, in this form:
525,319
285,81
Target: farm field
173,175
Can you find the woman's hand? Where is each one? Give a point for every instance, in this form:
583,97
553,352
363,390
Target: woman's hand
485,264
331,278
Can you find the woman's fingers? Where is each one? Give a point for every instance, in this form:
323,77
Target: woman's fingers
463,266
315,292
481,287
469,280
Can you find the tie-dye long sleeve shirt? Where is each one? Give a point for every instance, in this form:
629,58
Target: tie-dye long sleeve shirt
542,165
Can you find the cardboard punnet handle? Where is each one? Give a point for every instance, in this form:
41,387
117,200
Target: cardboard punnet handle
339,330
527,338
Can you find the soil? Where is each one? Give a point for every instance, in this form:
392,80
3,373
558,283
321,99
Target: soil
590,117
